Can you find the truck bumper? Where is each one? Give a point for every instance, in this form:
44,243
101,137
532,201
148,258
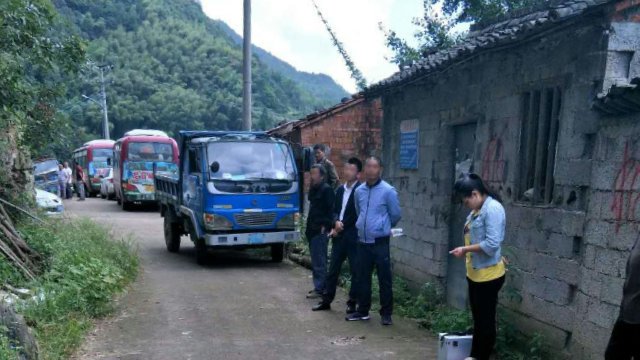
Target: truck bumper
251,238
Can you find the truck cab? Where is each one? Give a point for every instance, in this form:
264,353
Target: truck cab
230,190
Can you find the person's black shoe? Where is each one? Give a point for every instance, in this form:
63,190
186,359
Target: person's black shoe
356,316
314,295
321,306
386,320
351,308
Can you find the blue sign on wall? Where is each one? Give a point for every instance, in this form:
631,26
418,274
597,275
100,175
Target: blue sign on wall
409,144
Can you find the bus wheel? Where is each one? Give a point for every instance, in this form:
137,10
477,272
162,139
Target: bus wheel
171,235
277,252
126,205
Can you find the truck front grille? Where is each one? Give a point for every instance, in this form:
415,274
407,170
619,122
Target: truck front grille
255,219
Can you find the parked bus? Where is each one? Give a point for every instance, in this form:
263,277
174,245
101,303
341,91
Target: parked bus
94,157
135,156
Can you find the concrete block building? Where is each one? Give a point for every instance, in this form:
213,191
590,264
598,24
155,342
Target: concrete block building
545,105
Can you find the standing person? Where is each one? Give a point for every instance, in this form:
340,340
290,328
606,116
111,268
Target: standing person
320,151
378,211
623,344
344,238
69,173
483,235
62,182
79,182
319,223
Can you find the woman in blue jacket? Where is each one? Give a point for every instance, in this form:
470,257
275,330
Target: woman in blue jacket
483,235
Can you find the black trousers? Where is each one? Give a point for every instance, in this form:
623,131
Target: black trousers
344,246
376,256
483,298
624,343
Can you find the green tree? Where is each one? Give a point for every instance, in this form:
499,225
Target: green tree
435,28
34,56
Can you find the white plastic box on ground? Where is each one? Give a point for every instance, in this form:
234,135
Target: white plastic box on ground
454,346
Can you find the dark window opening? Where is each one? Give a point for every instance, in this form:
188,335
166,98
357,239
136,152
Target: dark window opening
539,138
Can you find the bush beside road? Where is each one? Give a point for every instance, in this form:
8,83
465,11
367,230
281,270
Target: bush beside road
84,268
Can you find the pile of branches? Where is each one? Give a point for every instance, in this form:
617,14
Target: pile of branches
14,248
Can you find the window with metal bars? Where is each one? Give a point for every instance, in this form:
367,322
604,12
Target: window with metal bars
538,143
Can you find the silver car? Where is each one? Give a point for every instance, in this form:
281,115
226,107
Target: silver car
50,203
106,186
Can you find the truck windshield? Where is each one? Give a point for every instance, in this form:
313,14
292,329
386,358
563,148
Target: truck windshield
251,160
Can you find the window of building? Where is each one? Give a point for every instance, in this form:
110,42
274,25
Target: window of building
538,143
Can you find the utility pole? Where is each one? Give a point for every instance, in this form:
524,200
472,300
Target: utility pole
105,122
246,68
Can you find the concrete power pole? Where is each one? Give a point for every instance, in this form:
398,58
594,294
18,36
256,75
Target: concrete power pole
105,122
246,68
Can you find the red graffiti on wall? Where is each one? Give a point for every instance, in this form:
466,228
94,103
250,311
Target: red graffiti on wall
626,193
493,163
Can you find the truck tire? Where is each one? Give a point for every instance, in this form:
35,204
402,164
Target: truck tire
277,253
202,255
171,235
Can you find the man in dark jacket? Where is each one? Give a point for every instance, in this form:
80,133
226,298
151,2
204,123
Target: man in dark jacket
345,238
624,342
331,178
319,224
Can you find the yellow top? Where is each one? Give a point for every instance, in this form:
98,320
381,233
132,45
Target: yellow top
485,274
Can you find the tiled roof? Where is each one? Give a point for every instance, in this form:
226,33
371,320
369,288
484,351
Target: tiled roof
513,28
621,99
287,127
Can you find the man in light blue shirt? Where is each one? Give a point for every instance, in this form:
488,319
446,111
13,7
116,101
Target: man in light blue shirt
378,211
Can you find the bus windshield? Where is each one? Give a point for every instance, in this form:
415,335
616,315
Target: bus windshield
102,154
150,151
251,160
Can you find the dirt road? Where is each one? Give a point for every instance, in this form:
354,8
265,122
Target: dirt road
240,306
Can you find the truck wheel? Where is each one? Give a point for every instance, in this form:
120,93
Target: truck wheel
277,253
202,256
171,235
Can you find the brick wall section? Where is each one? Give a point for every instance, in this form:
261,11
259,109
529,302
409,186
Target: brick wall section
352,131
568,258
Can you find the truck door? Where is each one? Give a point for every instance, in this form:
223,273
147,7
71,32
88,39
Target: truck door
193,181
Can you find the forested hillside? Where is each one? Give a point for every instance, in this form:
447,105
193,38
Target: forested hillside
174,68
319,85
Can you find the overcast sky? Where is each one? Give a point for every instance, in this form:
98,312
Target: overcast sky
292,31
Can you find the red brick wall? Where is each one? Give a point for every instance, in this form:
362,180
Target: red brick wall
353,131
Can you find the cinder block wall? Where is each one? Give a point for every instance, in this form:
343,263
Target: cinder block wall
567,258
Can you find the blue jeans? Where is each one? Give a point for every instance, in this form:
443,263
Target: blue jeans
344,246
376,256
318,246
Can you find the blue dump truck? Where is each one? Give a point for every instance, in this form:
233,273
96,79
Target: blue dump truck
230,190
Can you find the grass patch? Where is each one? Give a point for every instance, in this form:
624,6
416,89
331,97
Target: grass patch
84,268
427,307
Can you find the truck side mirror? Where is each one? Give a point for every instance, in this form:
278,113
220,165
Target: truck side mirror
215,167
109,161
307,158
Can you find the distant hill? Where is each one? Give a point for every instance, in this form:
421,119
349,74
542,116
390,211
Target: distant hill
174,68
319,85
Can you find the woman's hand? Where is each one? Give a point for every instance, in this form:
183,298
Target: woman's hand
458,252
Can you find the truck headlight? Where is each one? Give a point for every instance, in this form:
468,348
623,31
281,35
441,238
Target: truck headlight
289,221
216,222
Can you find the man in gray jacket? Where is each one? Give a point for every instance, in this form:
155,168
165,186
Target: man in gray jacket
378,211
